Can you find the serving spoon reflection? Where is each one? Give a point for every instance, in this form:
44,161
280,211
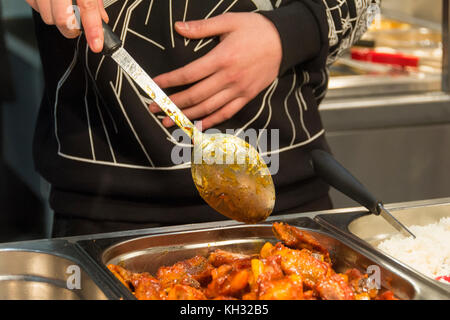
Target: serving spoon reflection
228,172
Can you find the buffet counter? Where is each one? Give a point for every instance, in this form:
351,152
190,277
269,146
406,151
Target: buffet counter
76,267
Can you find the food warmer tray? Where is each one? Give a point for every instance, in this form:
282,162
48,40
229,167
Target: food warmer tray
147,252
38,269
45,270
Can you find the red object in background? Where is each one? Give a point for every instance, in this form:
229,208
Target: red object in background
446,278
397,59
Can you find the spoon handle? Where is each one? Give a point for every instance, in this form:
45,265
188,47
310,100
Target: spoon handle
132,68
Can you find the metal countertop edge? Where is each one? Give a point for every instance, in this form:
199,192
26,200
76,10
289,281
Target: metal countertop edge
226,223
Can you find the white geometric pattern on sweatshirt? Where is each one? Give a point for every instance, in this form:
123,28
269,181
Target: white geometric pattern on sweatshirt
116,86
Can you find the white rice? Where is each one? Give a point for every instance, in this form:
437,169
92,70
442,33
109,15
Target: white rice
429,253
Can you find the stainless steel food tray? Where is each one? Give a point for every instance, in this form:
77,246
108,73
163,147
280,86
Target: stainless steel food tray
38,269
51,270
367,230
149,252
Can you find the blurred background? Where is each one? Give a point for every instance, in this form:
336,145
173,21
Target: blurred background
387,112
23,206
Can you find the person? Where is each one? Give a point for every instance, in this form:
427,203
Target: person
106,149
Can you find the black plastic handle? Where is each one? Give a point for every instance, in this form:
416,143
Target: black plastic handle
111,41
333,173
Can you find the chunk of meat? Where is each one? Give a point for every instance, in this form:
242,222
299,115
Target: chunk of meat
267,269
224,298
192,272
309,295
149,288
128,278
250,296
302,262
296,239
362,296
122,275
287,288
361,285
387,295
264,270
183,292
220,257
143,285
335,287
229,279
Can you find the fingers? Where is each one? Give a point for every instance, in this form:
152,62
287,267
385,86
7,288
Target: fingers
198,93
45,9
223,114
198,29
64,18
103,12
60,13
192,72
210,105
91,19
206,107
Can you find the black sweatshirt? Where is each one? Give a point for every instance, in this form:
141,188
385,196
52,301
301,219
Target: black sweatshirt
108,158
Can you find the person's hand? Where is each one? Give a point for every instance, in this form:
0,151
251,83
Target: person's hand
60,13
245,62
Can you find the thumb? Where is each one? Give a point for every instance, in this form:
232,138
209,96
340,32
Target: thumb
197,29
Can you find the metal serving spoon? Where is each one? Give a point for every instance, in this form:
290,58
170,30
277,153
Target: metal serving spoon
228,172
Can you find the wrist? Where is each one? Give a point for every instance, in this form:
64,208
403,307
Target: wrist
274,39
